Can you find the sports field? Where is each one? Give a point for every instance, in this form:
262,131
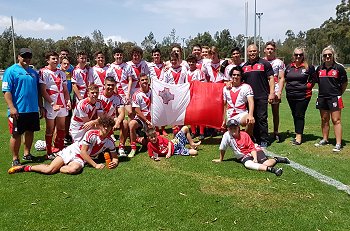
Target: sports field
184,193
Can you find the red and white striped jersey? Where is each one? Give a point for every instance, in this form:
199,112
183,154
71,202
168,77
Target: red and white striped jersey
81,78
54,81
121,73
97,75
175,75
111,104
156,70
195,75
138,69
83,109
212,72
142,100
237,99
96,144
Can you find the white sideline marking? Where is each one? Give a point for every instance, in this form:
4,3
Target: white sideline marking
325,179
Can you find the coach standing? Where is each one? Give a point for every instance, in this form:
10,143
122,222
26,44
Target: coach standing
258,74
20,88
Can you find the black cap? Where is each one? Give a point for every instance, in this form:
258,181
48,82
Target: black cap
22,51
232,123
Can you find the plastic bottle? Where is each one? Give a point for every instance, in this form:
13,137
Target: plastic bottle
107,157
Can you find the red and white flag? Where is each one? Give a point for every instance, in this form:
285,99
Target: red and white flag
196,103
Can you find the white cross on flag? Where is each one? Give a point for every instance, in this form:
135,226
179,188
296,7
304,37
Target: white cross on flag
194,103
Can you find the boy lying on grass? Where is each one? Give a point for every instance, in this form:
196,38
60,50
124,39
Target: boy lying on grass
72,159
159,146
245,151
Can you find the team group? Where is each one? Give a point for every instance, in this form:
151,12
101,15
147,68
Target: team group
104,94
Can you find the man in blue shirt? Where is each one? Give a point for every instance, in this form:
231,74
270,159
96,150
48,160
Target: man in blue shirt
21,93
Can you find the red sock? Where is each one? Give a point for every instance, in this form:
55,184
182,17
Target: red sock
59,141
201,130
28,168
133,145
121,146
193,129
48,139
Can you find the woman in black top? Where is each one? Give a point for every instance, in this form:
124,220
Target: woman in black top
332,81
299,77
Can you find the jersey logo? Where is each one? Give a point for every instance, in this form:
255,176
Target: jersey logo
166,95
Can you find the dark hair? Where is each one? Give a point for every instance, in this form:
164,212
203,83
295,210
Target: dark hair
81,53
110,78
118,50
235,68
156,49
151,131
235,49
191,57
93,87
50,53
65,49
197,45
106,121
177,46
137,49
98,53
65,58
271,43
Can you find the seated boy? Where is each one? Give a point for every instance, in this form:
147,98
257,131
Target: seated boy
245,151
72,159
159,146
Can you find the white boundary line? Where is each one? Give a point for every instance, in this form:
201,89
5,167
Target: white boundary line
325,179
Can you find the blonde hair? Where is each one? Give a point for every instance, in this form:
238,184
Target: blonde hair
331,49
306,65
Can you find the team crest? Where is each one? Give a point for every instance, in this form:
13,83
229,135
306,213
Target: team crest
166,95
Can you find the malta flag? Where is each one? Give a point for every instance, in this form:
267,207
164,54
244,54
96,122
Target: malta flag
195,103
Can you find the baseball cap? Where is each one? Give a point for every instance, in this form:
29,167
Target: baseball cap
232,123
22,51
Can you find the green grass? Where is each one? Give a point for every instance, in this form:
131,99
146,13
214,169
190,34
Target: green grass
184,193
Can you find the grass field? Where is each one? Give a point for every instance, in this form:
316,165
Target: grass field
185,193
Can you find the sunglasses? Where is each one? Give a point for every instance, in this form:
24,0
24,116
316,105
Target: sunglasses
299,55
26,56
327,55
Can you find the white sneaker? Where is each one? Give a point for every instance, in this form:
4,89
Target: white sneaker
132,153
121,152
337,148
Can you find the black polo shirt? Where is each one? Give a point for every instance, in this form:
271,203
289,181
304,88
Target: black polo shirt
299,81
330,80
256,74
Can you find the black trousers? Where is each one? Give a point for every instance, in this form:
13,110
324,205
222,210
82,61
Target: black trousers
261,126
298,108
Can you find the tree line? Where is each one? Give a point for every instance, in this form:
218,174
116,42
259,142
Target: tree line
334,31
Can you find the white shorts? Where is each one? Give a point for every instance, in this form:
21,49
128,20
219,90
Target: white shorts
68,156
238,117
51,114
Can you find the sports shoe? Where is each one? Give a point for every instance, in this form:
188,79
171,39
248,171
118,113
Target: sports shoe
337,148
28,157
50,156
263,144
322,143
132,153
121,152
294,142
201,137
15,169
279,172
16,162
283,160
277,138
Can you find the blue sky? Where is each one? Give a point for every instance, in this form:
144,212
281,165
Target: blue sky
132,20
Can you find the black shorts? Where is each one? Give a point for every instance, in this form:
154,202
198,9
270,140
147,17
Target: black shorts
330,104
260,156
25,122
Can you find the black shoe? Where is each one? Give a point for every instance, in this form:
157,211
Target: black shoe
16,162
294,142
28,157
201,137
283,160
277,138
279,172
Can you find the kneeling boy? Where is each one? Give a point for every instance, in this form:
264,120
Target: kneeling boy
72,159
160,146
246,152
